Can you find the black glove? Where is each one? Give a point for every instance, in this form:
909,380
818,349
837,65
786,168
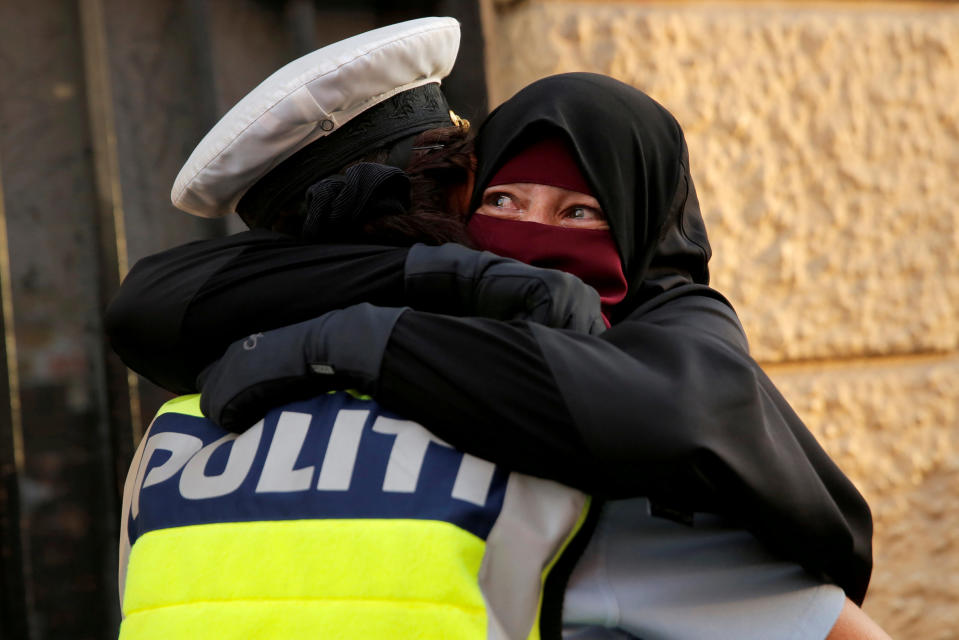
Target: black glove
454,280
341,349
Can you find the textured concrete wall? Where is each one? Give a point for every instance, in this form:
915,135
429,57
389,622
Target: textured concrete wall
824,140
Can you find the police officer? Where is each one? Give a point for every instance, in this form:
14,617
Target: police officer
333,517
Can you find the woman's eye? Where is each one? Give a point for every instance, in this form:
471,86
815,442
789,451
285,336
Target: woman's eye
584,213
502,201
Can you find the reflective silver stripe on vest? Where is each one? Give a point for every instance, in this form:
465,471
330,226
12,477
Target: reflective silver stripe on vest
537,518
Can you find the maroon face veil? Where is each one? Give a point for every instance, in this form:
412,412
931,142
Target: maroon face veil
589,254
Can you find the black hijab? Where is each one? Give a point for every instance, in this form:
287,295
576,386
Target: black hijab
744,439
633,154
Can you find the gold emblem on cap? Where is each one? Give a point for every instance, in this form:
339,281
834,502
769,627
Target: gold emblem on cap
463,123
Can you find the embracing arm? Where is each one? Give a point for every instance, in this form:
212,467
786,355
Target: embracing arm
668,404
176,311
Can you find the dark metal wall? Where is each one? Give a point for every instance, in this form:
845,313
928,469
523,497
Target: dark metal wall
101,101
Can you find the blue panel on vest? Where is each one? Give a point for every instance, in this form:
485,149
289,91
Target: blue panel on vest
398,472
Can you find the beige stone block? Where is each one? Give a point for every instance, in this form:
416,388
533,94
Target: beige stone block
893,427
824,141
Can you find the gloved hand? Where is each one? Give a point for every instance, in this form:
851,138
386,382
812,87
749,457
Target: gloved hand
341,349
454,280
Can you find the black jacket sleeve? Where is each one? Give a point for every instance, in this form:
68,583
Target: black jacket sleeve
176,311
667,404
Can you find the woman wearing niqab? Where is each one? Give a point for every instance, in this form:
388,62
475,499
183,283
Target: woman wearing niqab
633,154
666,404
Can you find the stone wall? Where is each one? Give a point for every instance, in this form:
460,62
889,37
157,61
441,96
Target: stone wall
824,140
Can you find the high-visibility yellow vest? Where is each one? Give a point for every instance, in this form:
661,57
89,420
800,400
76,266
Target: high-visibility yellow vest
332,518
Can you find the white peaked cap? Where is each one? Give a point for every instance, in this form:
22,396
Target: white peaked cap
306,100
